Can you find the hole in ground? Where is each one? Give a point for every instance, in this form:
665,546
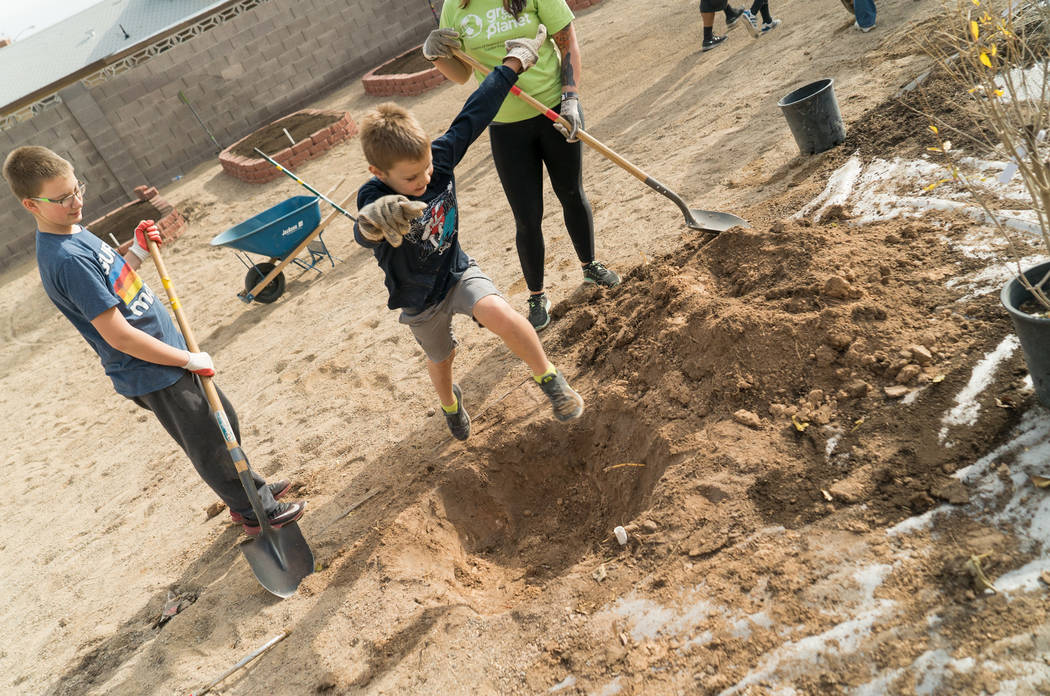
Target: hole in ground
545,497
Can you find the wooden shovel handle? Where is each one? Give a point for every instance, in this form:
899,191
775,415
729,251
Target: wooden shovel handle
556,118
212,394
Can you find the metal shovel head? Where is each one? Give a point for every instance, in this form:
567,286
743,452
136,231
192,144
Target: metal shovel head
280,558
713,221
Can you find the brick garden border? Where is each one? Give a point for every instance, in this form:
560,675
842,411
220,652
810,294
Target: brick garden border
406,84
256,170
171,223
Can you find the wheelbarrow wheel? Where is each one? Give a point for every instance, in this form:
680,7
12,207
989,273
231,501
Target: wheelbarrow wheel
273,290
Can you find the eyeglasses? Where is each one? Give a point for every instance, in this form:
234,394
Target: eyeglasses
67,200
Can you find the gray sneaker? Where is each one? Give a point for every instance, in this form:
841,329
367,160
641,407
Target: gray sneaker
458,422
567,404
539,311
596,273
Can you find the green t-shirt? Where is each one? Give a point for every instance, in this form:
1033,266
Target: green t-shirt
484,25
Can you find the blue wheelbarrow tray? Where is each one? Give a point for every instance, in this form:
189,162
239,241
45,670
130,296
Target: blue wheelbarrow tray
280,234
277,231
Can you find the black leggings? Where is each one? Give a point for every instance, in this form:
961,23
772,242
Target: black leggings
520,150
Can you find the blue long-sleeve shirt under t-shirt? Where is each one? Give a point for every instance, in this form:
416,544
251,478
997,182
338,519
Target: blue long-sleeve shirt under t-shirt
429,262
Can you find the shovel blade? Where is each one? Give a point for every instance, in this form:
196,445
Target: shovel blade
712,221
280,558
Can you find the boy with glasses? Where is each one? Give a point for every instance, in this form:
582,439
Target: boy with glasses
119,316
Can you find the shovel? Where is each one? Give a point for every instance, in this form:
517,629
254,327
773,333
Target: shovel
707,220
279,557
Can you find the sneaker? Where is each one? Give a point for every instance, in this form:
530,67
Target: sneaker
284,513
770,26
458,422
596,273
732,20
539,311
708,44
277,489
858,27
566,402
751,23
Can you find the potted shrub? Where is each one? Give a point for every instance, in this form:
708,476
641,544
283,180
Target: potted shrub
998,59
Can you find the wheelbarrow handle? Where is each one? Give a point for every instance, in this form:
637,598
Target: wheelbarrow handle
305,185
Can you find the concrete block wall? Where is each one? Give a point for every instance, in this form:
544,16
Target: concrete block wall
240,75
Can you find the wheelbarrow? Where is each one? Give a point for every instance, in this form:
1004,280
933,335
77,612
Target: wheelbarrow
280,234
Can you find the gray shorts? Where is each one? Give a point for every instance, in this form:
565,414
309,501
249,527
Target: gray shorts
433,326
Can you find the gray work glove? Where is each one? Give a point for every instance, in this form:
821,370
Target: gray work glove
527,50
439,44
571,112
389,218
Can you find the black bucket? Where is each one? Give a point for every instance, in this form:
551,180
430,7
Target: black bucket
812,112
1033,331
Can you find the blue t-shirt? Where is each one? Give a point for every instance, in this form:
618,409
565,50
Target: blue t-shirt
429,262
84,277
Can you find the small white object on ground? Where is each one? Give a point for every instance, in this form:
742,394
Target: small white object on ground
621,535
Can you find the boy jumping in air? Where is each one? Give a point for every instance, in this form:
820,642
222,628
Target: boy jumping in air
409,217
121,319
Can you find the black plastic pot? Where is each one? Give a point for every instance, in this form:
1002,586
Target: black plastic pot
812,113
1033,331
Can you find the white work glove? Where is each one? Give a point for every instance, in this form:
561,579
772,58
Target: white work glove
200,364
527,50
571,112
439,44
389,218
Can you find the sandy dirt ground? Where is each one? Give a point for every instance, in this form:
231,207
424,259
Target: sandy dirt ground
737,424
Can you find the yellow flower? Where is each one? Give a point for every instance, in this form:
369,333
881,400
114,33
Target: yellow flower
975,29
986,60
934,129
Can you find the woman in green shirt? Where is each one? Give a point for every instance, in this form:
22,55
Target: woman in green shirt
522,141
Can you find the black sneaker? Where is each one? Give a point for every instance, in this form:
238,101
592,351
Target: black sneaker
708,44
566,402
733,18
539,311
277,489
596,273
284,513
458,422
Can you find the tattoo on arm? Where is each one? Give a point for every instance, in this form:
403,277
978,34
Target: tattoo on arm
568,76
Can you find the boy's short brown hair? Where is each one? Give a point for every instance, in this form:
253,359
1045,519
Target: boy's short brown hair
390,134
27,168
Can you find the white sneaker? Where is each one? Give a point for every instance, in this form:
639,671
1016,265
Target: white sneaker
863,29
769,26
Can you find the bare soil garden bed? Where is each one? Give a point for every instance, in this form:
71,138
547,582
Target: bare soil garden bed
314,131
121,222
407,74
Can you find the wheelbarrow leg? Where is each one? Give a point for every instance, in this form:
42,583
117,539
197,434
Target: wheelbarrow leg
250,294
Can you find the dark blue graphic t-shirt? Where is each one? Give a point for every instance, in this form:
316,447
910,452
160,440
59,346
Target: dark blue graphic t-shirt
84,277
429,262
